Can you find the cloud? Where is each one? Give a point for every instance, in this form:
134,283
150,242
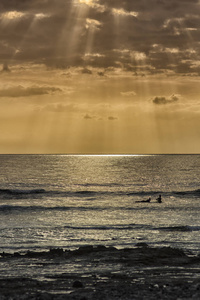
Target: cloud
128,94
60,108
111,118
86,71
93,4
92,24
160,100
122,12
88,117
12,15
100,73
20,91
58,34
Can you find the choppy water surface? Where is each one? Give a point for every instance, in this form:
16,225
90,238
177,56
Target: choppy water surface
68,201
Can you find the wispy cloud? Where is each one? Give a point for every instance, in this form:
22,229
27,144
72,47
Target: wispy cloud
20,91
160,100
129,94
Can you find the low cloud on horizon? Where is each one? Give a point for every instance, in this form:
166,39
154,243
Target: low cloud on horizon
20,91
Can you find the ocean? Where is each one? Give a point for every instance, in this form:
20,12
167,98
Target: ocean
70,201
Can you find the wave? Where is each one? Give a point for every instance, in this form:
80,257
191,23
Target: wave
104,227
24,208
21,208
12,193
52,193
141,253
85,193
188,193
113,184
21,192
183,228
195,193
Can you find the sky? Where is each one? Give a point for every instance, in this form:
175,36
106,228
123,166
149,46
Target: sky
100,77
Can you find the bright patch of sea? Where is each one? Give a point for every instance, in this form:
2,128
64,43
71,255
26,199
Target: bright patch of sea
67,201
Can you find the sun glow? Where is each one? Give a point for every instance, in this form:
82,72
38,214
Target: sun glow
88,2
12,15
99,77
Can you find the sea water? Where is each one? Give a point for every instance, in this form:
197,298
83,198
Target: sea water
70,200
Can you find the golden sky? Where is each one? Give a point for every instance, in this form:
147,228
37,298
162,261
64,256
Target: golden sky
100,77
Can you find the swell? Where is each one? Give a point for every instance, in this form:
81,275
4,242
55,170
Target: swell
120,227
22,192
12,193
28,192
195,193
182,228
40,208
24,208
188,193
107,227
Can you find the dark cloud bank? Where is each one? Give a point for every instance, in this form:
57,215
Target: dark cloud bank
159,100
154,36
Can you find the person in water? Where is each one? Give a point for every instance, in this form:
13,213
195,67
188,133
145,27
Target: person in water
147,201
159,199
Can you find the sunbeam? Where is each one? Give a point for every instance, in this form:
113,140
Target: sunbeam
70,40
100,76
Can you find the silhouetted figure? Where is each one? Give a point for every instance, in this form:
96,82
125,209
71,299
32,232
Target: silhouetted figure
159,199
145,201
148,200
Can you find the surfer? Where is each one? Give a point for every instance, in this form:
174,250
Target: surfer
148,200
145,201
159,199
